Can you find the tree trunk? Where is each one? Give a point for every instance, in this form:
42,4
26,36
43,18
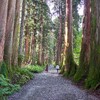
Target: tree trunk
15,34
9,32
69,61
22,29
3,17
85,47
43,50
27,43
40,36
33,47
94,70
59,44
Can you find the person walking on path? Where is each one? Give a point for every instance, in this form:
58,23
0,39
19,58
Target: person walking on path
57,68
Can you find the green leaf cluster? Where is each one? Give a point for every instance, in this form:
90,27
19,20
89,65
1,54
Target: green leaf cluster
6,88
35,68
22,76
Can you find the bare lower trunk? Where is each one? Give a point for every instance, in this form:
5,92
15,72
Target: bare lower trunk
40,54
9,32
27,41
15,34
33,49
3,17
41,36
59,44
22,29
69,61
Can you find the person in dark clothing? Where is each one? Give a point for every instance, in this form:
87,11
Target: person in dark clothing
46,68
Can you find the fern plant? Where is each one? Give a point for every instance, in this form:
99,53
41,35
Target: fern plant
6,88
3,69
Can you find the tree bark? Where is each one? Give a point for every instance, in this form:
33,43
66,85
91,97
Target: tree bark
85,47
27,42
33,46
3,18
59,44
40,36
22,29
15,34
9,32
69,61
94,70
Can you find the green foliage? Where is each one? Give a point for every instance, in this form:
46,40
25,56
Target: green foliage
93,78
79,74
24,71
77,46
73,67
65,74
97,86
3,69
21,76
82,70
77,30
24,79
6,88
3,97
35,68
20,59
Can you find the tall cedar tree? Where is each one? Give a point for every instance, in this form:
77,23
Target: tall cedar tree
9,32
85,47
94,71
3,17
15,34
69,61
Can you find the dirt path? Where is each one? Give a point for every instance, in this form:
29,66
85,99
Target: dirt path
51,86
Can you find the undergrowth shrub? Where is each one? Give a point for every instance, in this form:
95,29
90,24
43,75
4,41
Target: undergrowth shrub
6,88
24,71
21,76
3,69
20,59
35,68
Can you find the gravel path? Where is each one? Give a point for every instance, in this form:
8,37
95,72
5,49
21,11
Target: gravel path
51,86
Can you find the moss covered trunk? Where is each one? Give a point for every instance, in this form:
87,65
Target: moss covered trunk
94,70
85,47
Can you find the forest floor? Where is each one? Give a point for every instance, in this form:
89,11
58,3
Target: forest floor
51,86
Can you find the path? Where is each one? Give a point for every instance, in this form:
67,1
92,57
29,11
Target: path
51,86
